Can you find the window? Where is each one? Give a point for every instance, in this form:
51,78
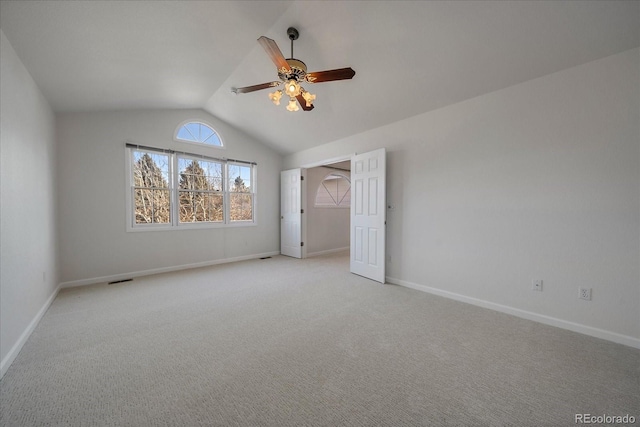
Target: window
151,189
334,191
171,189
240,193
200,195
199,133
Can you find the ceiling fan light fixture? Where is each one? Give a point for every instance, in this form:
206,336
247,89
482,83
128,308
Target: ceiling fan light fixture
275,97
293,88
308,97
293,105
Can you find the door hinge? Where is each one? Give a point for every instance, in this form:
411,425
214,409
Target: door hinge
301,243
301,211
301,178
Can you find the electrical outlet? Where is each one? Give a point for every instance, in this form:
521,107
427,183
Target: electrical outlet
584,293
536,285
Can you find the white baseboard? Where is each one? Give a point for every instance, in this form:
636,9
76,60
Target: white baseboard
328,251
115,277
15,350
547,320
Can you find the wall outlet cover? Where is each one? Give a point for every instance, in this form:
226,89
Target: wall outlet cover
585,294
536,285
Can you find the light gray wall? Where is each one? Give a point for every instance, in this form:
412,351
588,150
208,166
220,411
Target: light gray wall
28,238
539,180
92,190
327,228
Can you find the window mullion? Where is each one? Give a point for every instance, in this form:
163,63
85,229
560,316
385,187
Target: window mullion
132,202
173,179
254,182
226,199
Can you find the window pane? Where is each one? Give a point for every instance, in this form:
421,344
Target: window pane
213,139
196,206
152,206
194,131
241,207
346,200
343,192
199,175
205,133
152,200
239,179
150,169
323,198
184,134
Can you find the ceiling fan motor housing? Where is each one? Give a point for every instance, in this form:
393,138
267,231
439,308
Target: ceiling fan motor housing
298,70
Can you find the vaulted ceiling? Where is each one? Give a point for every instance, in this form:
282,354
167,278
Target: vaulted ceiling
409,57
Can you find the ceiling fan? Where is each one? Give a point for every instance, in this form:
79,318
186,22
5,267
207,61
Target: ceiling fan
292,72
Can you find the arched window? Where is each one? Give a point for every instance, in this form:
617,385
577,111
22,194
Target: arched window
199,133
334,191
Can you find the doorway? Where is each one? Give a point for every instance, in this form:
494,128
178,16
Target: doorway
328,208
366,192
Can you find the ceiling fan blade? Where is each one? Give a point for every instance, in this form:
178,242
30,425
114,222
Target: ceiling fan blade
330,75
274,53
255,87
303,103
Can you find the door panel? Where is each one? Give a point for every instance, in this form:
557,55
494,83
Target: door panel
368,214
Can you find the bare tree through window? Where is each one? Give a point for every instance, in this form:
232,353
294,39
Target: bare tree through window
170,188
152,196
200,191
241,197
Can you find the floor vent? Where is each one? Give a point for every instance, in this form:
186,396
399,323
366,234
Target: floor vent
119,281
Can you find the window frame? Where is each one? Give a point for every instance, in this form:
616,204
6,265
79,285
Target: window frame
335,206
132,188
252,193
178,190
174,223
200,144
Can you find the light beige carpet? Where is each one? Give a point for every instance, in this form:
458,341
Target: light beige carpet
285,342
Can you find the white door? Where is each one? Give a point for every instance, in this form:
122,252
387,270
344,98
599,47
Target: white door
291,213
368,214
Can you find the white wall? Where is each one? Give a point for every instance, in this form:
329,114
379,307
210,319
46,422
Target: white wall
28,238
327,228
539,180
94,245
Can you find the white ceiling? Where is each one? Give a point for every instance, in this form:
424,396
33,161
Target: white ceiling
409,57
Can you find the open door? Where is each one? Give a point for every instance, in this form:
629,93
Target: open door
368,214
291,199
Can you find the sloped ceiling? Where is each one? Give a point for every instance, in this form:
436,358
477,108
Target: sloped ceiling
409,57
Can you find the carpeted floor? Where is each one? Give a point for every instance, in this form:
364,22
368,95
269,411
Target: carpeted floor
284,342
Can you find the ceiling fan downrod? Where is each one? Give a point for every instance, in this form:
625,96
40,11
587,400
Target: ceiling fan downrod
293,35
